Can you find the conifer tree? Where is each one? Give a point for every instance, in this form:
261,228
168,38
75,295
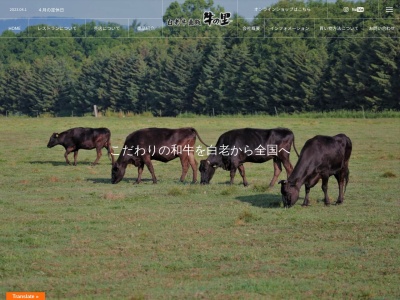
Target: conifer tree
19,91
209,90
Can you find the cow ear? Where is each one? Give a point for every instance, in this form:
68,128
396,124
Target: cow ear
282,182
56,135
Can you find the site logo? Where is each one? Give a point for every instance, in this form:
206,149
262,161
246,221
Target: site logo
223,20
209,18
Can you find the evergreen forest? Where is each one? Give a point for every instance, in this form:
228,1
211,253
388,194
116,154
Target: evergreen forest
275,62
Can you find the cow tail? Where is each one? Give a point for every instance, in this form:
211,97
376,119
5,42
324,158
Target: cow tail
197,134
110,151
294,147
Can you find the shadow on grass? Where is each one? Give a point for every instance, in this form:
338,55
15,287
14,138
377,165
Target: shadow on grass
63,163
228,183
262,200
102,180
45,162
108,180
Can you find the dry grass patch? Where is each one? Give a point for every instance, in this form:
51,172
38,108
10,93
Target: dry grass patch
92,171
58,199
53,179
114,196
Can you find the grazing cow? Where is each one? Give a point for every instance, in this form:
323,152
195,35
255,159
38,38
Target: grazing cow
320,158
238,146
83,138
161,144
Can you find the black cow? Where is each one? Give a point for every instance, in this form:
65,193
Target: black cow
161,144
238,146
320,158
83,138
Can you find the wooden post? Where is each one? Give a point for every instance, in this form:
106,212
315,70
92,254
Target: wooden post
95,110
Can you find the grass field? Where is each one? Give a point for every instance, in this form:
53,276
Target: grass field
69,232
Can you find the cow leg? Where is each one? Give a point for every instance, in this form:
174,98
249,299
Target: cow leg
306,201
325,189
341,178
232,174
149,165
140,171
308,185
277,170
341,185
193,164
98,156
75,157
185,166
243,174
66,157
68,151
287,165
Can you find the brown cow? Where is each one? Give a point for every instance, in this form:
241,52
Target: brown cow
235,147
161,144
320,158
83,138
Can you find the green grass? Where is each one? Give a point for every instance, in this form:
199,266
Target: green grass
69,232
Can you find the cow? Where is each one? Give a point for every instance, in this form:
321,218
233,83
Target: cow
235,147
320,158
83,138
160,144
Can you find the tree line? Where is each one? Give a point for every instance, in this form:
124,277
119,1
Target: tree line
216,72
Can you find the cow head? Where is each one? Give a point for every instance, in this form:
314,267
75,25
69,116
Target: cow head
207,170
117,172
53,140
290,192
